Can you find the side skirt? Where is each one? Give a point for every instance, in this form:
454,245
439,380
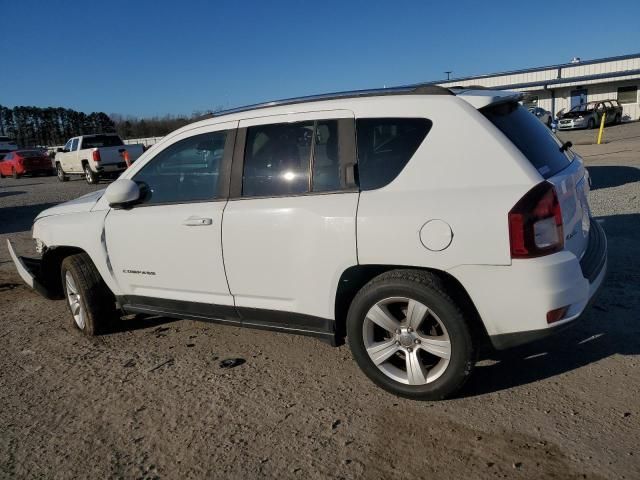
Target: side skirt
286,322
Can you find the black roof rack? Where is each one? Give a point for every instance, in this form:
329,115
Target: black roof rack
420,89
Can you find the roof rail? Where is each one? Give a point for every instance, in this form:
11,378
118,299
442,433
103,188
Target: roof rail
419,89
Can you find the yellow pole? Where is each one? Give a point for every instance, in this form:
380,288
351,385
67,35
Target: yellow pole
604,115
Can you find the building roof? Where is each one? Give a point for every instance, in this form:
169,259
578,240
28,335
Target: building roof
540,69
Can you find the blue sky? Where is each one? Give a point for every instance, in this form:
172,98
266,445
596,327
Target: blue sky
152,58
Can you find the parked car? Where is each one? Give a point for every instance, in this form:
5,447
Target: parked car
94,156
7,145
25,162
589,115
543,115
363,215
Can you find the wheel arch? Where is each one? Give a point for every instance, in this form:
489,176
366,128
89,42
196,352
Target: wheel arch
357,276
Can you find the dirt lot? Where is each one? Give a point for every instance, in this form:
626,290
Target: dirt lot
151,401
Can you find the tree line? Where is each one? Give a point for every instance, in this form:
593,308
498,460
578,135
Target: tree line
35,126
51,126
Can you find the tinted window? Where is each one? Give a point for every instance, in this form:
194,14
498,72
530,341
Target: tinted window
9,156
277,159
67,145
532,137
187,171
98,141
31,154
74,144
385,145
326,161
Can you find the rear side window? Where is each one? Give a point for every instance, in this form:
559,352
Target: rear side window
187,171
385,146
298,158
531,136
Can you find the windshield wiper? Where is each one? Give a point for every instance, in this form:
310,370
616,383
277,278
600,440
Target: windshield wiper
566,146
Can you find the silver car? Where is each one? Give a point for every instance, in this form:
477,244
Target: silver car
543,115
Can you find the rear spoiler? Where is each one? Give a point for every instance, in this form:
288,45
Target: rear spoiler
480,98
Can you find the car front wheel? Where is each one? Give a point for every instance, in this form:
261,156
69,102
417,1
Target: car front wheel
60,173
90,301
409,336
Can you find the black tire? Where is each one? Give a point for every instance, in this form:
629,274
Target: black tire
14,174
62,177
89,175
429,290
591,124
1,175
95,297
617,120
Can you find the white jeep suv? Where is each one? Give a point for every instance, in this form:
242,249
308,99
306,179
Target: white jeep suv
418,222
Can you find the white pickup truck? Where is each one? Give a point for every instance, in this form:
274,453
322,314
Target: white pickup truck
94,156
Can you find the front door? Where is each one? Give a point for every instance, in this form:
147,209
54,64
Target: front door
290,231
166,252
578,97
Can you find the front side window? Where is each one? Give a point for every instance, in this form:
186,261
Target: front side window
74,144
187,171
385,146
67,146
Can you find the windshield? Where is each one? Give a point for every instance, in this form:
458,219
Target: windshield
583,108
531,136
97,141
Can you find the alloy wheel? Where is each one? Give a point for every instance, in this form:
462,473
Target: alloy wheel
406,340
77,310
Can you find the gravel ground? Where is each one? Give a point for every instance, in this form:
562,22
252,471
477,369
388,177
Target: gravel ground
151,401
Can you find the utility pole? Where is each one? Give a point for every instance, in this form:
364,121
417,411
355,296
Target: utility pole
448,74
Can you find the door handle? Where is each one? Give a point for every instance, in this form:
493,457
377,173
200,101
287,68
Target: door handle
197,221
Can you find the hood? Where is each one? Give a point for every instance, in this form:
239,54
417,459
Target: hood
576,114
82,204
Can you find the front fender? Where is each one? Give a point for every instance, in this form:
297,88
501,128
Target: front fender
84,231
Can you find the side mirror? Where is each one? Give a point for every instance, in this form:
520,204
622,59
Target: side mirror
59,150
122,193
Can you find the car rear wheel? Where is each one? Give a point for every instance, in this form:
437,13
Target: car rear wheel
90,301
91,177
409,336
60,173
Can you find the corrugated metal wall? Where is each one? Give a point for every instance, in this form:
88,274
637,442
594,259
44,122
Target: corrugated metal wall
597,89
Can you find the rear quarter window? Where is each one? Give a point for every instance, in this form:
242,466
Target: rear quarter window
531,136
385,146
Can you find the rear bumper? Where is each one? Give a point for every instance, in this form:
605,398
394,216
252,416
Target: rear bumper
513,301
111,167
29,271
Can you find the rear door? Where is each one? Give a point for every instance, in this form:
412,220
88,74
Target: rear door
289,227
562,167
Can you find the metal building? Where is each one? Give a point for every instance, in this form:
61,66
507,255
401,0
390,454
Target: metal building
558,87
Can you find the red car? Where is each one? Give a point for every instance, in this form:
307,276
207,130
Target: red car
23,162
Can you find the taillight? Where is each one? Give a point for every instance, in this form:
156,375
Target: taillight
535,223
96,155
